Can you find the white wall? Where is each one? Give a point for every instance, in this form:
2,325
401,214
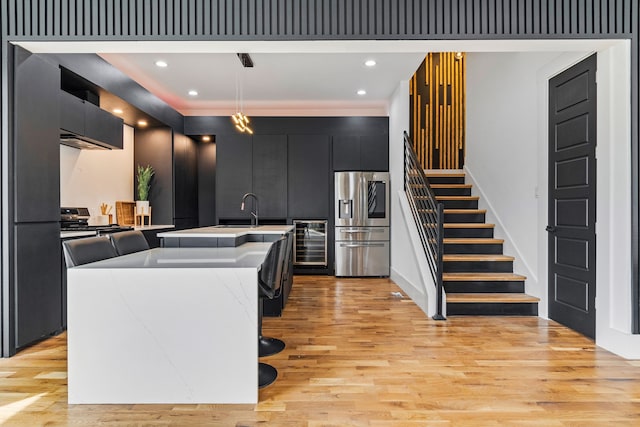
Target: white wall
408,262
502,150
91,177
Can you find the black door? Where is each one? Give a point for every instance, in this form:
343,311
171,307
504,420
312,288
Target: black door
572,197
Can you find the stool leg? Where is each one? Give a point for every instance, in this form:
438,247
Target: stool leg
267,346
267,374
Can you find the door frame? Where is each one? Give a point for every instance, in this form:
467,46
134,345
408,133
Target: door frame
615,313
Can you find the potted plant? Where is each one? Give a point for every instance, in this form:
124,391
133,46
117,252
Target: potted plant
143,175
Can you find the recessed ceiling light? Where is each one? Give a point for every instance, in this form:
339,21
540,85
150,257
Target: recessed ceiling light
206,138
369,62
161,64
193,93
362,92
142,122
117,110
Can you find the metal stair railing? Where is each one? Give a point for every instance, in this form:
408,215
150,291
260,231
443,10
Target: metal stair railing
429,217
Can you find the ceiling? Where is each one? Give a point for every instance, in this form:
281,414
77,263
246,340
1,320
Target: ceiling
288,78
310,82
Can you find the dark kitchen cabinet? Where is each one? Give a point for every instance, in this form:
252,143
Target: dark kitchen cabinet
87,120
270,174
36,148
102,126
366,153
154,147
71,113
38,291
346,153
309,176
185,151
374,152
234,175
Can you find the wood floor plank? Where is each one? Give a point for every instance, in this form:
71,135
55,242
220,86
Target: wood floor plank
359,355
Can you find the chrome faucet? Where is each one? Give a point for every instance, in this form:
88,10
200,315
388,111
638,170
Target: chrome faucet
254,214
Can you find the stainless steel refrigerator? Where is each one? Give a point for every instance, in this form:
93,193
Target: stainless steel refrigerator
362,223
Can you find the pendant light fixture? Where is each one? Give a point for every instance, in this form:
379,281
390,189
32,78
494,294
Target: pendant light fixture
240,120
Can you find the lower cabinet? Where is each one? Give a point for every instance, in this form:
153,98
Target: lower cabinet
38,293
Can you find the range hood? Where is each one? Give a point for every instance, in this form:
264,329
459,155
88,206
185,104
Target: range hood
81,142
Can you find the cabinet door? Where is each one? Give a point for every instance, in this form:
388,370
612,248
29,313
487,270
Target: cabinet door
346,153
38,282
234,173
102,126
185,177
71,113
270,174
36,147
374,152
309,176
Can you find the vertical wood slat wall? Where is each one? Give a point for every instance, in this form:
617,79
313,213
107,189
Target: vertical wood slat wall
437,111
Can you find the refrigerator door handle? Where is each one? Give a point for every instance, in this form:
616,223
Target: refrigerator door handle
361,245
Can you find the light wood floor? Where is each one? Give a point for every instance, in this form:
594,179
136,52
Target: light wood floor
358,355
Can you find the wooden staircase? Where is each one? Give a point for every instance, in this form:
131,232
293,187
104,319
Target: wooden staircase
478,278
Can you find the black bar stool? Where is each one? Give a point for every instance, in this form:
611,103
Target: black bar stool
269,285
127,242
84,251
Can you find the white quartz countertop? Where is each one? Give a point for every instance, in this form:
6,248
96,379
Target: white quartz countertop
153,227
249,255
228,231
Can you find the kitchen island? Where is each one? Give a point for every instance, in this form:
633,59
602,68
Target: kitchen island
232,236
223,235
167,325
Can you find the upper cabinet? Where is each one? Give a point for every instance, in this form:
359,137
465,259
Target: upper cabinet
234,175
90,122
361,153
309,176
36,149
270,174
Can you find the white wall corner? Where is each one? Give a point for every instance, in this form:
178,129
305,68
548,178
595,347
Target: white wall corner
423,293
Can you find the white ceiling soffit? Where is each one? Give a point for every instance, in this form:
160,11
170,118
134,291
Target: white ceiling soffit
313,78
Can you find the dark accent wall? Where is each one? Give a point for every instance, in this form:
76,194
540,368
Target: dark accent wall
41,20
277,19
155,147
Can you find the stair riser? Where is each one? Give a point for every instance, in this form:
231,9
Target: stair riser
452,191
492,309
459,204
464,217
478,266
445,180
473,248
469,232
484,287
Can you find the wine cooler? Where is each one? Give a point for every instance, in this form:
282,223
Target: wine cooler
310,242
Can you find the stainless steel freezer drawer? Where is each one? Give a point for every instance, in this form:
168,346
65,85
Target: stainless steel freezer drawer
362,258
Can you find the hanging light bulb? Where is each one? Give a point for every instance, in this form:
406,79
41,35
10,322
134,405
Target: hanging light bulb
240,120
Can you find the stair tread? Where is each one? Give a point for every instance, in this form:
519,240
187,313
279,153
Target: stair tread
490,297
443,173
482,277
477,257
468,225
465,211
457,197
473,240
